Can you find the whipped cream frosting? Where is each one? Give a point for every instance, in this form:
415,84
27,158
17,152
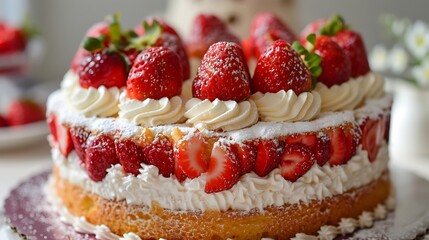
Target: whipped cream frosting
250,192
287,106
151,112
351,94
224,115
91,102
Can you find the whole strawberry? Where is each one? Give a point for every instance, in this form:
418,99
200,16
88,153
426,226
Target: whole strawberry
156,73
140,29
206,30
335,64
267,28
351,42
223,74
102,69
313,27
281,68
23,112
11,39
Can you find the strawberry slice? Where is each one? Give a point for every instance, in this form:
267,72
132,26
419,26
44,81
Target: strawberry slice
322,150
267,157
23,111
160,154
130,155
191,156
281,68
223,74
267,28
52,123
342,146
296,160
64,139
308,139
205,31
372,137
156,73
100,156
246,153
335,64
79,136
224,169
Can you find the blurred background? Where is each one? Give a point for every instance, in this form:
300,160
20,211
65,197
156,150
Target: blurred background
62,23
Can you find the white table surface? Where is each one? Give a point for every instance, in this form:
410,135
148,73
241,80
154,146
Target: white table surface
16,165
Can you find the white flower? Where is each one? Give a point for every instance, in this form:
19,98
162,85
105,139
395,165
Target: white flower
378,58
398,60
417,39
421,73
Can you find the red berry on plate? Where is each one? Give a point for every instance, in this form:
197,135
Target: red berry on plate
205,31
3,122
22,112
267,157
155,74
223,74
335,64
352,44
281,68
79,136
296,160
100,156
65,142
246,153
191,156
102,69
224,169
160,154
130,155
265,29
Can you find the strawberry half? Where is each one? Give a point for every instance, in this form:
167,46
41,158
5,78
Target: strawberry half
336,66
156,73
265,29
342,146
296,160
191,156
224,169
130,155
205,31
322,149
267,157
246,153
65,143
281,68
100,156
52,124
223,74
24,111
102,69
373,131
160,154
79,136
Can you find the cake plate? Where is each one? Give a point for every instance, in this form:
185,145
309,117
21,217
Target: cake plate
29,216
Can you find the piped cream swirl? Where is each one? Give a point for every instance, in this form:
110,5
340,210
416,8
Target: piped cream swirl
372,84
151,112
225,115
287,106
91,102
346,96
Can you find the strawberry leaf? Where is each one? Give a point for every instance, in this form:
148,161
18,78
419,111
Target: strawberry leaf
335,25
115,28
311,60
92,44
152,32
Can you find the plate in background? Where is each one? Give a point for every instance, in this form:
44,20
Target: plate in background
20,136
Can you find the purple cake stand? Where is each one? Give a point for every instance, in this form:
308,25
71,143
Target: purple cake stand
31,217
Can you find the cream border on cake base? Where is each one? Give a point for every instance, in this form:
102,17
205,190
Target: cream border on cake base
275,222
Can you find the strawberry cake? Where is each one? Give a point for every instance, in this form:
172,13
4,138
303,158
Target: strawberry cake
296,148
